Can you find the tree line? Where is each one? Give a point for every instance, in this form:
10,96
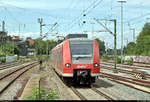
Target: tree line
44,47
142,45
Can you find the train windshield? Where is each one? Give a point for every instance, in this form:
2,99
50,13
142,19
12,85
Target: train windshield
84,50
81,52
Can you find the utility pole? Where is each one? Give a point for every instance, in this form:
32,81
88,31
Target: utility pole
40,20
47,48
115,51
122,1
19,30
4,37
126,41
115,43
3,26
92,29
133,34
23,32
147,19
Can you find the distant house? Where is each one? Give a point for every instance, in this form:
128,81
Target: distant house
16,39
23,48
30,40
31,52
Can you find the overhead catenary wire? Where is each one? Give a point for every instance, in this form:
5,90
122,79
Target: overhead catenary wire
29,11
86,11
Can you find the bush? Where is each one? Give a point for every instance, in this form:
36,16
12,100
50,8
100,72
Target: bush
52,95
42,57
118,60
105,58
130,61
2,59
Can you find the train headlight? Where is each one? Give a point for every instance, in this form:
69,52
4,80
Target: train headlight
95,65
68,65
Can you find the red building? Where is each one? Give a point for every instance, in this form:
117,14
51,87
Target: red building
30,40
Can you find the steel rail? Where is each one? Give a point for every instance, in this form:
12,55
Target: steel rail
145,66
78,93
118,79
16,70
126,79
10,65
124,71
101,93
7,63
28,67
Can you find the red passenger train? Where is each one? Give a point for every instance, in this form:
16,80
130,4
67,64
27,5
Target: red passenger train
77,60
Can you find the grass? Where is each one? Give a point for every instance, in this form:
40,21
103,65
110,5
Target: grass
52,95
42,75
106,58
30,71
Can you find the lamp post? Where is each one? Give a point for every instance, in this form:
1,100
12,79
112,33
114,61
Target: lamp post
122,1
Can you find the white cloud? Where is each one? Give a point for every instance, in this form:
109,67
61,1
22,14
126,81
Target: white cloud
33,35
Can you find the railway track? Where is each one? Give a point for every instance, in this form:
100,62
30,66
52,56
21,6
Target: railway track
78,93
102,94
91,89
10,65
8,79
122,70
121,80
3,64
82,96
140,66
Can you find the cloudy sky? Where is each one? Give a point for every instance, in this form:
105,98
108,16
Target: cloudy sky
69,17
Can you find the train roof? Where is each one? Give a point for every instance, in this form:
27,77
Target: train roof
79,39
72,39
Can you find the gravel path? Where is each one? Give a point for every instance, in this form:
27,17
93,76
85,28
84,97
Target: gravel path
54,82
119,91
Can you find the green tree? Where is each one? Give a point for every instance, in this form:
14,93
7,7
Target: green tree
41,46
143,41
110,51
59,41
101,46
130,49
52,44
10,48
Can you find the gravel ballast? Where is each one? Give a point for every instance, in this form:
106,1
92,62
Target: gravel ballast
121,92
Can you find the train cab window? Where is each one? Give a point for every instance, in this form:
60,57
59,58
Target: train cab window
82,49
81,52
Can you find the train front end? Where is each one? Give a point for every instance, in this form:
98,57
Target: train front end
84,63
